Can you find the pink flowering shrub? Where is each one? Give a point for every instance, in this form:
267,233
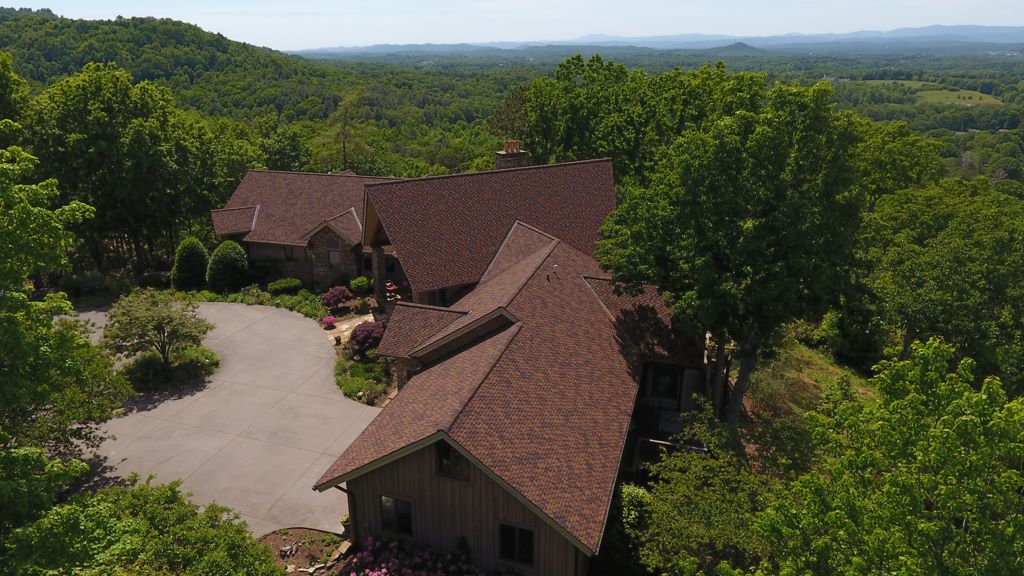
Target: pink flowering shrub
335,297
367,335
328,321
396,559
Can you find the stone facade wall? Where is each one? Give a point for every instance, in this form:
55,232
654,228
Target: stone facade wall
319,249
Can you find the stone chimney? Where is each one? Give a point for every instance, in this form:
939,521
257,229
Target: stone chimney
511,156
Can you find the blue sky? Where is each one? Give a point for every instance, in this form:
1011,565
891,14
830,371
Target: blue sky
318,23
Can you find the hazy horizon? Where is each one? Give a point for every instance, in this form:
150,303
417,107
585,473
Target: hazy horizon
322,23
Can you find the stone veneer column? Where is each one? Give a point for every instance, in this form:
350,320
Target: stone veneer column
377,255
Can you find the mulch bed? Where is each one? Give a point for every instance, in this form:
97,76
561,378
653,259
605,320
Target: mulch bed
314,547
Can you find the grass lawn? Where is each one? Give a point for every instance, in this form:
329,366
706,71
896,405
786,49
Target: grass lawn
932,93
963,97
797,378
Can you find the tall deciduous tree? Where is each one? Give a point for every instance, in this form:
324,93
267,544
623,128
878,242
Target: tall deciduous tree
56,388
948,261
124,149
749,223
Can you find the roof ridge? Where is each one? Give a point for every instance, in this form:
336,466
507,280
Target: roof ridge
502,171
249,207
550,249
307,173
531,227
430,307
504,243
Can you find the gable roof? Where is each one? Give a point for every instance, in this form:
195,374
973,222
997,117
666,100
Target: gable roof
292,206
231,221
542,400
447,229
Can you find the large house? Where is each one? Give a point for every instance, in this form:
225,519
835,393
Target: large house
527,384
308,226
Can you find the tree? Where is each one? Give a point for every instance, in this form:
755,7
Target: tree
229,267
56,387
29,484
928,481
749,223
597,108
154,320
144,529
13,98
948,261
699,510
891,158
123,149
190,262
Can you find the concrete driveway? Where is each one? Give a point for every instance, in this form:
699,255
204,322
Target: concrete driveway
259,433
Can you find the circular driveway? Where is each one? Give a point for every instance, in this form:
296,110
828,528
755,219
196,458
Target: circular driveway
260,431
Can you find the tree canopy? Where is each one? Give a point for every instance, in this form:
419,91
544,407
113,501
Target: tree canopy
928,481
750,221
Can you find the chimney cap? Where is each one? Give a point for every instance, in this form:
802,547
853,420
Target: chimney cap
511,147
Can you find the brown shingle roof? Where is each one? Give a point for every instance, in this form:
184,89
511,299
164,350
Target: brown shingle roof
447,229
413,324
292,204
645,328
231,221
429,402
544,404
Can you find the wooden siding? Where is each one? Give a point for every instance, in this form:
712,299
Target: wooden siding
444,510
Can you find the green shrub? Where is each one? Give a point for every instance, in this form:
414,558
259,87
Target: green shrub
229,268
285,286
368,371
361,285
190,263
154,279
189,366
365,382
361,390
252,295
305,303
84,284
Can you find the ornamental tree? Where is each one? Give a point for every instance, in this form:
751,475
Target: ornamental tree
153,320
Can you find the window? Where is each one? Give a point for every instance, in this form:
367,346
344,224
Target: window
515,544
396,515
665,383
450,463
367,263
334,258
289,253
332,243
389,265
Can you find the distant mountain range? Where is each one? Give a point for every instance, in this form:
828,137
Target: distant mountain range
905,37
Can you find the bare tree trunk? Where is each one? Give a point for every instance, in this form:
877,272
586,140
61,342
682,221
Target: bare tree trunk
748,357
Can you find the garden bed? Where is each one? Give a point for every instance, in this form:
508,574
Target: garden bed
314,547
